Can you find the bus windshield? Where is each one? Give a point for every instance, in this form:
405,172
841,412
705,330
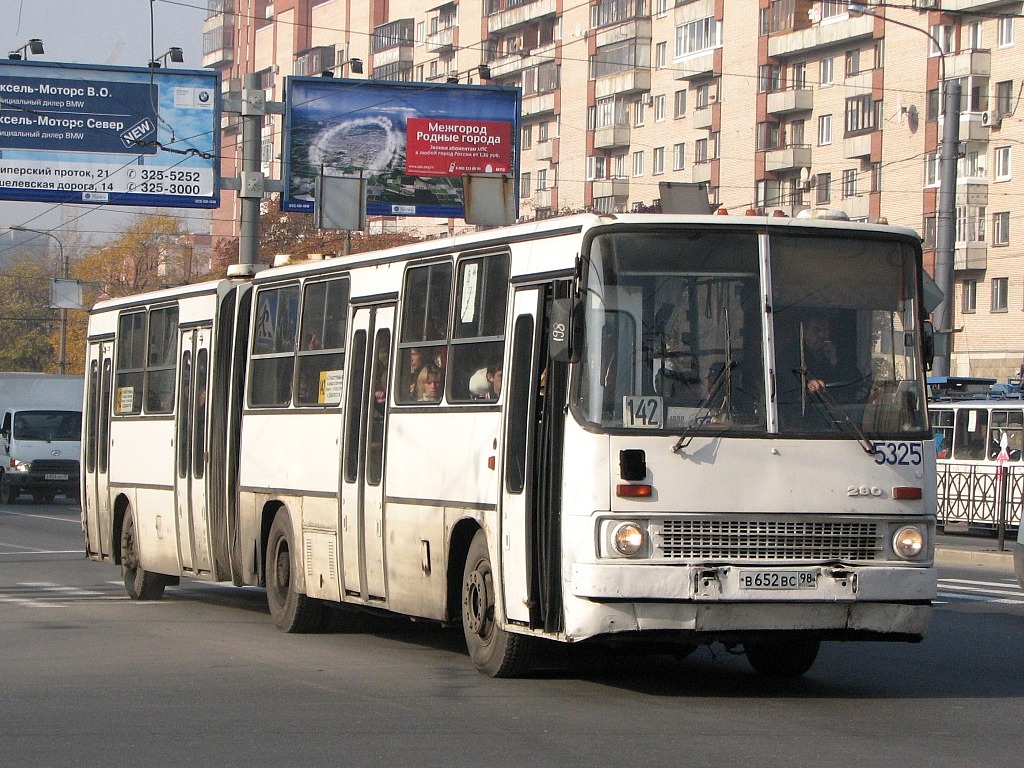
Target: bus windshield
680,326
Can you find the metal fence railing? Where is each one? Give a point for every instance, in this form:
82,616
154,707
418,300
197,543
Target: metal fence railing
982,497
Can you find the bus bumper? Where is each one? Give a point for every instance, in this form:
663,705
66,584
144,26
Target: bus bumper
869,603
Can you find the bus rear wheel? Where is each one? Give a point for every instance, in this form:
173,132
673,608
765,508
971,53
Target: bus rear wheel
783,658
139,583
494,651
290,610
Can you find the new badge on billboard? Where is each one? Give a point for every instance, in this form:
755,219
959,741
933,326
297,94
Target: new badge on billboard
413,142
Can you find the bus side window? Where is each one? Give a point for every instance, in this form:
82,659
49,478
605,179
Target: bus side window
971,435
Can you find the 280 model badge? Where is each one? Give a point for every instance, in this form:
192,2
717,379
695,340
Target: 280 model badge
863,490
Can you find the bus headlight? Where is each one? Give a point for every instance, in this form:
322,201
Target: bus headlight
628,539
908,542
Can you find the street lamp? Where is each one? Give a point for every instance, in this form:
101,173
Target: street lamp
175,54
945,213
35,45
62,366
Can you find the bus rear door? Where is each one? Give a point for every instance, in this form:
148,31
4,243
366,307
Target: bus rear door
96,501
192,450
362,488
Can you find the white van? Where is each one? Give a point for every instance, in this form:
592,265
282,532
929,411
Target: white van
40,450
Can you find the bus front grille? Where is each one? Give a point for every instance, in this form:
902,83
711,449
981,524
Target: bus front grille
758,540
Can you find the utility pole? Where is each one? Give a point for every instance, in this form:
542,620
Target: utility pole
945,230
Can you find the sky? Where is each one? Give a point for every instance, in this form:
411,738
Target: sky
111,32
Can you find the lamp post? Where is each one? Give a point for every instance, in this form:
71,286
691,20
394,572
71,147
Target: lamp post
175,55
35,45
62,365
945,209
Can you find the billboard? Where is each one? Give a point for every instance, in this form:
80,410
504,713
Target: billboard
411,141
76,133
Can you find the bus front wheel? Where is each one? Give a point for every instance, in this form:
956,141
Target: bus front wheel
290,610
783,658
139,583
494,651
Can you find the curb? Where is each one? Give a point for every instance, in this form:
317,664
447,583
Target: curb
988,558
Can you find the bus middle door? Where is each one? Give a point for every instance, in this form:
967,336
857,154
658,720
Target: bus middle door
192,450
362,488
96,451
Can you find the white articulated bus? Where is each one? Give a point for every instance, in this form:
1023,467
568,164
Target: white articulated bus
682,429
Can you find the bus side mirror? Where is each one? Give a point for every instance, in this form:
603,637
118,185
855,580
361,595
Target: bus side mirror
928,344
565,339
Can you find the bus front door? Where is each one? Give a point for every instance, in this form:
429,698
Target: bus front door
192,451
96,451
362,488
531,505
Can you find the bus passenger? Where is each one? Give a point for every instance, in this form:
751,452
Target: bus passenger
416,362
485,384
428,384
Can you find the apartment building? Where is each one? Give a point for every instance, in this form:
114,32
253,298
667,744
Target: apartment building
776,105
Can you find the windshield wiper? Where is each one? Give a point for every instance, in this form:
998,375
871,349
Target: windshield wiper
704,407
836,414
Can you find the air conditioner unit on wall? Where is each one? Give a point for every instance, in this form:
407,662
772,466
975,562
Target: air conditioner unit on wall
992,118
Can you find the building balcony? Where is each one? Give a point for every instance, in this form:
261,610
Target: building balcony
787,158
540,104
400,54
542,198
634,29
975,62
971,193
700,65
856,207
970,256
702,172
821,36
858,146
218,41
522,14
546,150
441,40
516,62
630,81
703,117
974,126
609,136
790,100
618,188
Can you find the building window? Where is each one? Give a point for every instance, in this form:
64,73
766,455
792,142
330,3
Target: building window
1002,163
638,163
1000,301
659,108
1004,97
680,104
849,183
928,232
542,180
861,114
527,136
697,36
823,189
969,295
658,158
970,223
769,78
826,74
597,167
1005,32
768,136
679,156
940,33
1001,228
639,113
700,151
524,184
931,169
799,75
659,55
974,36
853,62
542,131
824,130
